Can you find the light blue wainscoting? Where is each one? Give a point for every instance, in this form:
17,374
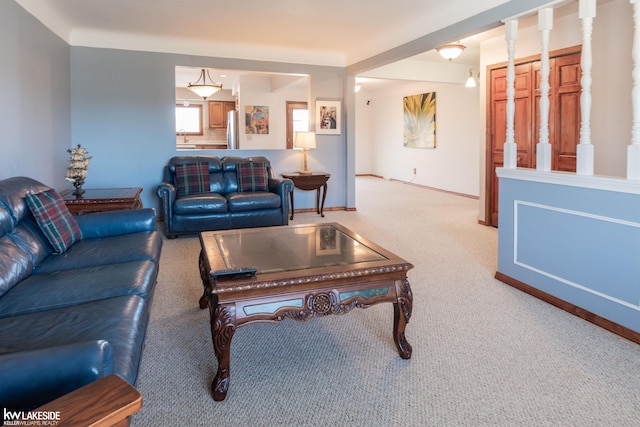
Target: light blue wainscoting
576,238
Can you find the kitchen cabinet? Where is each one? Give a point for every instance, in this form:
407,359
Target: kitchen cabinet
218,113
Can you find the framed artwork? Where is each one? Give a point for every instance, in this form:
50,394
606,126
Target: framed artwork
256,119
419,121
328,115
327,241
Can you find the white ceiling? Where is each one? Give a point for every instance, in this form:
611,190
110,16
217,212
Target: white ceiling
330,32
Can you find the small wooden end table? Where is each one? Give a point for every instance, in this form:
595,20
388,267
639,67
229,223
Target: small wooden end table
313,181
102,200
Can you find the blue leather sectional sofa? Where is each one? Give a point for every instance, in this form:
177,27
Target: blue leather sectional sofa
221,204
69,318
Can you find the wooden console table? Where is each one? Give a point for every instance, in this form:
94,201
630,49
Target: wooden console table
313,181
102,200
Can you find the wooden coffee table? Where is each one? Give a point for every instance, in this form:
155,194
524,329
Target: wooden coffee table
303,271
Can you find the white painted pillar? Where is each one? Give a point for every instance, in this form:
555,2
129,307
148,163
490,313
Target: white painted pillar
543,156
633,150
584,161
510,160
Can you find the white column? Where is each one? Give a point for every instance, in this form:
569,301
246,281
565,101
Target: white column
633,150
510,160
543,156
584,161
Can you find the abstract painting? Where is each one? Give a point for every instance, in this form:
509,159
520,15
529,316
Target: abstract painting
256,119
420,121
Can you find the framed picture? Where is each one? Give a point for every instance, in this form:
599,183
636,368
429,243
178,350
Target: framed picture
419,121
327,241
328,117
256,119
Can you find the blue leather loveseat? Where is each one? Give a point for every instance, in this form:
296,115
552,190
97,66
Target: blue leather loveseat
201,193
70,317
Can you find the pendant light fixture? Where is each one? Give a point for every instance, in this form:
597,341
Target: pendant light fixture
203,88
451,51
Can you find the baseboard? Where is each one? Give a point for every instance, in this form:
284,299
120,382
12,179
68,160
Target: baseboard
329,209
607,324
369,174
469,196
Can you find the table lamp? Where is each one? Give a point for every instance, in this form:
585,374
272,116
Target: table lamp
304,141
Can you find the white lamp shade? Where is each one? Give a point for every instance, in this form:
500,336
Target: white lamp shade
450,51
202,88
304,140
204,91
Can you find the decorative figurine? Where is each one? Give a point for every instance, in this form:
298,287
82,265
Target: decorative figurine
77,170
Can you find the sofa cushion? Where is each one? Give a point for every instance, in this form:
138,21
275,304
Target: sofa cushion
192,178
12,192
15,264
200,204
240,202
54,219
59,289
121,321
105,250
30,238
6,222
252,176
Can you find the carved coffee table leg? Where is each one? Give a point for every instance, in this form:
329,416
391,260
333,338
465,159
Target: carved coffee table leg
204,276
401,315
222,329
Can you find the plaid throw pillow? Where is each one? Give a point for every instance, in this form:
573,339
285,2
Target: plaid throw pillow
192,178
54,219
252,176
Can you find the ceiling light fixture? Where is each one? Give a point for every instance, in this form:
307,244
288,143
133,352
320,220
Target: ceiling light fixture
203,89
451,51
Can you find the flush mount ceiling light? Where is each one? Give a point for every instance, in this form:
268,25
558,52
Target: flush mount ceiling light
203,88
450,51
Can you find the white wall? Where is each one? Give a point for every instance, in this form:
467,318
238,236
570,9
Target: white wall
451,166
363,149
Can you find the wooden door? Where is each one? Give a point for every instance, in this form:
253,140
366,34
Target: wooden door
564,117
564,110
498,126
566,129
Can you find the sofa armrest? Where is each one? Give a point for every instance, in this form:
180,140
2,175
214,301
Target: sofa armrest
283,187
31,378
108,401
167,194
113,223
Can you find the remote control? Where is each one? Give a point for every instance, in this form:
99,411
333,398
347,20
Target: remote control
234,272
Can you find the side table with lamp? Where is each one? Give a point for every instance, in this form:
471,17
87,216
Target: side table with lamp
306,179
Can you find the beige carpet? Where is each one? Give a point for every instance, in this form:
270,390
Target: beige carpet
484,354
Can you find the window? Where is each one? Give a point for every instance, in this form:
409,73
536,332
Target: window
188,119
